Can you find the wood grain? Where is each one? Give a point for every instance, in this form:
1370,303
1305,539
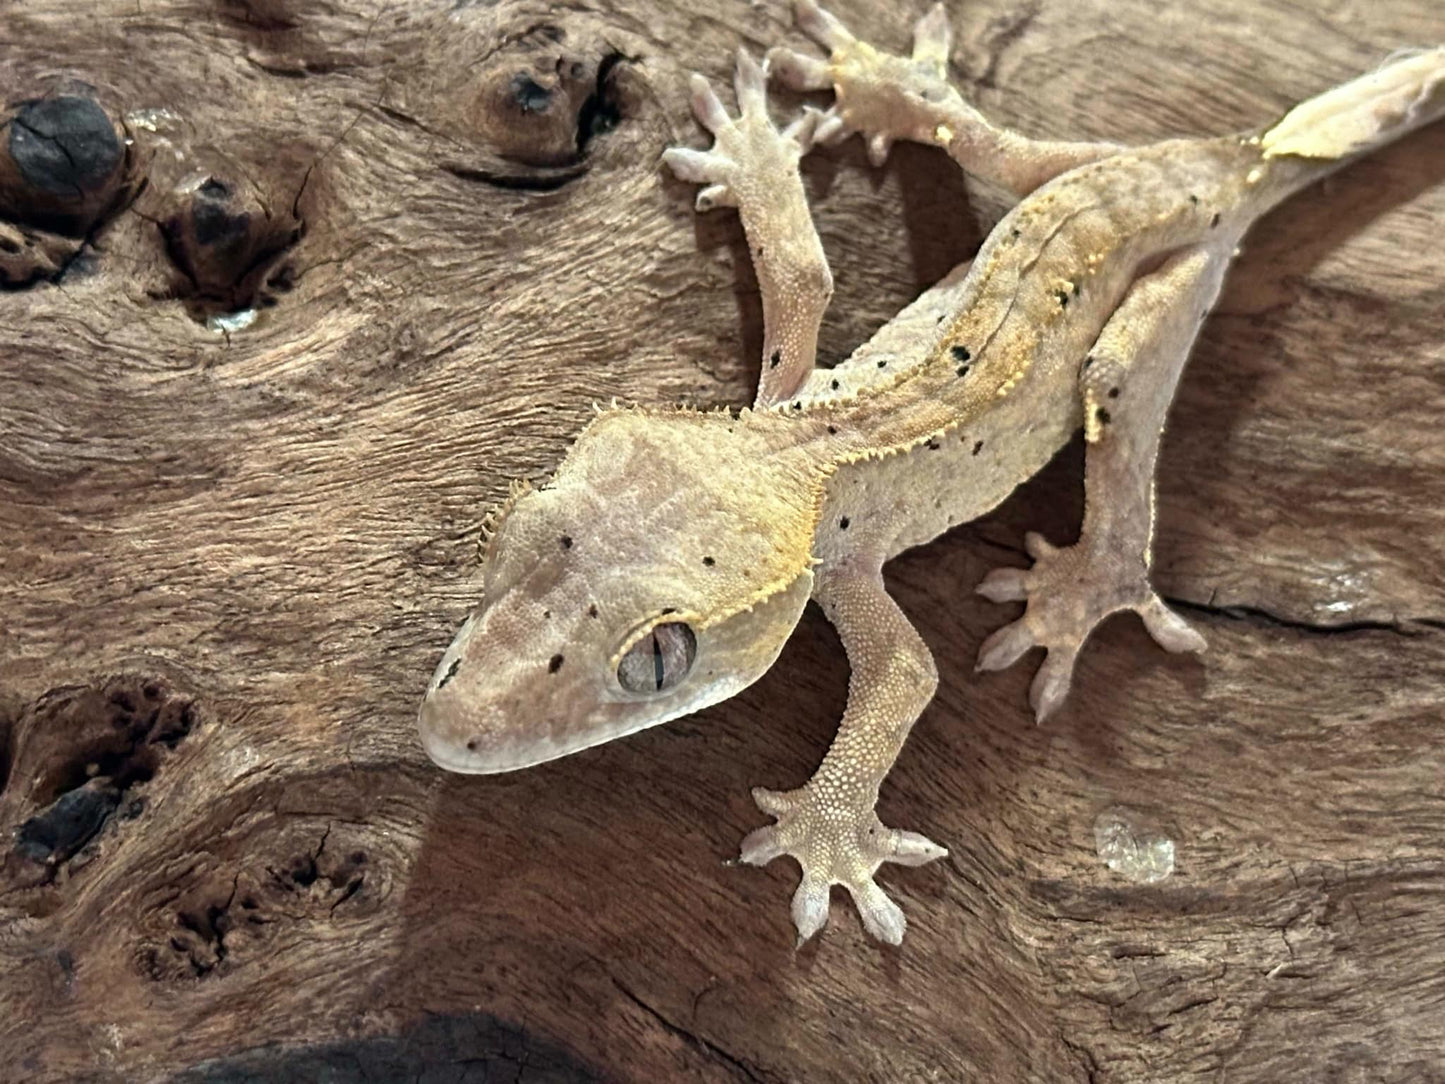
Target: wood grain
229,560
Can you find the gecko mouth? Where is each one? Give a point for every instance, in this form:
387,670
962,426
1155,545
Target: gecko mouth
481,754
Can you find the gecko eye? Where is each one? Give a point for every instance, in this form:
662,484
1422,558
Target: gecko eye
659,660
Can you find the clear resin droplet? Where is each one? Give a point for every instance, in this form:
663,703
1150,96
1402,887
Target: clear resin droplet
1133,847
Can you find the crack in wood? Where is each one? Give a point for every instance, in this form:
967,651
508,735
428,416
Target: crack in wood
697,1042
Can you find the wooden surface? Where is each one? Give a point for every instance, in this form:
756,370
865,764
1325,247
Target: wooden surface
230,559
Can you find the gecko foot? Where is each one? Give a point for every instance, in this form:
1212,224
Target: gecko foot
1069,591
883,96
835,844
749,156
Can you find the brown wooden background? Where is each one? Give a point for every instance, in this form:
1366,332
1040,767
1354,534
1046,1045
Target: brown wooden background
230,560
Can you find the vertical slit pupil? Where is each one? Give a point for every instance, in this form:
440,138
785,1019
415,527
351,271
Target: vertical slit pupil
658,671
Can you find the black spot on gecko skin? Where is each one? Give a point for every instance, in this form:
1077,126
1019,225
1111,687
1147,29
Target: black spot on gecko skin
555,664
1063,296
1088,361
1113,393
962,370
1214,221
592,610
843,523
977,447
835,385
1102,415
882,364
832,430
708,561
797,405
451,673
566,541
960,353
1194,199
1078,287
775,359
934,446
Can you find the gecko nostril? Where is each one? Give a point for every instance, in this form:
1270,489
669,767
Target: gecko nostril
471,745
451,673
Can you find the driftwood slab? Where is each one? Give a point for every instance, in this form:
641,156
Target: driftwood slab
231,554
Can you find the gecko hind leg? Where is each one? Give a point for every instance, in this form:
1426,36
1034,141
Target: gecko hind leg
887,98
754,167
1126,384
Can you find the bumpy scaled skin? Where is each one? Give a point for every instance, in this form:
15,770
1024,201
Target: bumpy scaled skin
753,168
665,564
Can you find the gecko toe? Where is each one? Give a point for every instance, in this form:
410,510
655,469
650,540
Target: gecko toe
706,105
932,39
1005,647
831,130
1005,585
1170,631
881,916
772,802
803,129
879,145
798,71
1039,547
714,196
820,25
750,84
913,849
810,907
690,165
1050,686
761,846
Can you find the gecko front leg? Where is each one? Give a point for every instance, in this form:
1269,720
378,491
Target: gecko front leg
888,98
754,167
1126,383
829,824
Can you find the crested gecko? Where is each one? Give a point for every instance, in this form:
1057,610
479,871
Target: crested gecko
670,556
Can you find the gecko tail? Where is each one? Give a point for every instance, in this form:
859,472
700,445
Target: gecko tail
1404,93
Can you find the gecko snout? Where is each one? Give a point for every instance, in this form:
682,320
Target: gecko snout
445,742
458,727
461,736
476,720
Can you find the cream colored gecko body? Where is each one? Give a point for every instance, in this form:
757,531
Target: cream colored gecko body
996,394
665,564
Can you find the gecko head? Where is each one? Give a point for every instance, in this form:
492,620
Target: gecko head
660,571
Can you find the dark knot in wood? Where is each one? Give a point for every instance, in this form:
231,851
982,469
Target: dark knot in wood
62,164
226,242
